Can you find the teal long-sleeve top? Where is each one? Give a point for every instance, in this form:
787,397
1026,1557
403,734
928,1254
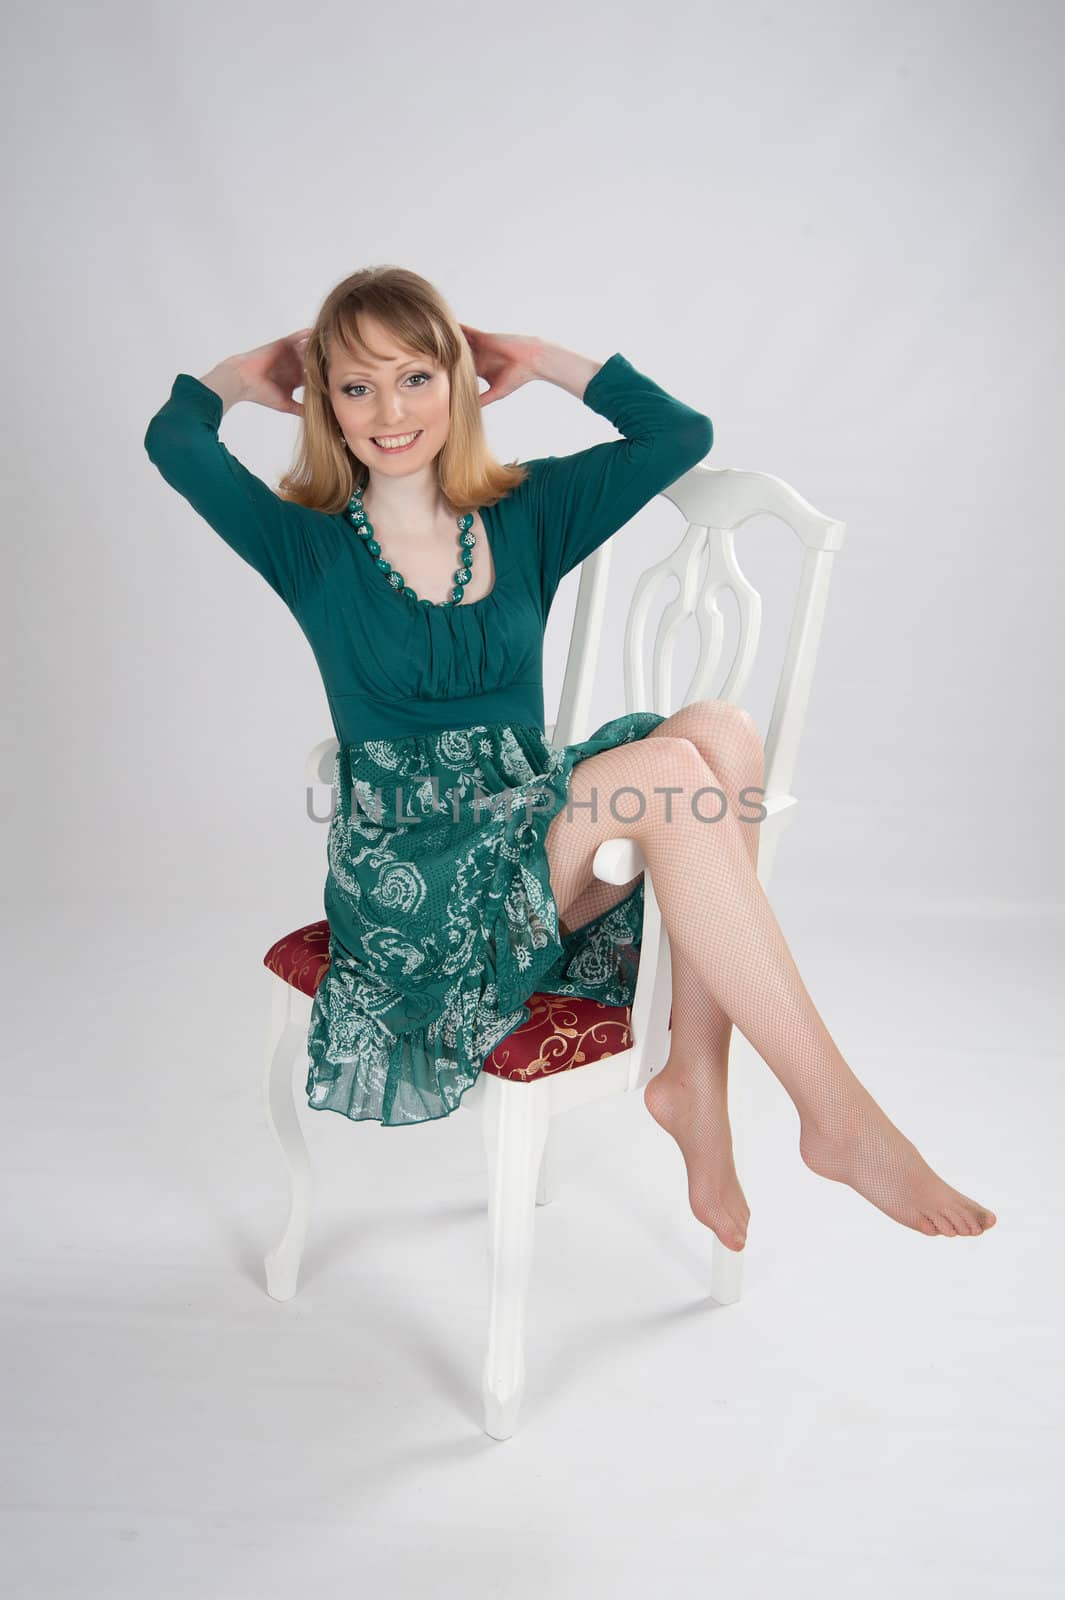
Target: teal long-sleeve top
392,668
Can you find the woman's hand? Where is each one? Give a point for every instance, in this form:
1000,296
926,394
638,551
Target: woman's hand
271,372
505,360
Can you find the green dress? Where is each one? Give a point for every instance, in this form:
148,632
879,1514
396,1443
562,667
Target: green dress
441,916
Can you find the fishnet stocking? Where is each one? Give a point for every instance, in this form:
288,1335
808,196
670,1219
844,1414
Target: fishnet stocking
732,965
689,1097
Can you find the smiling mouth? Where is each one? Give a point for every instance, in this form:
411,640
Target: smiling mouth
384,441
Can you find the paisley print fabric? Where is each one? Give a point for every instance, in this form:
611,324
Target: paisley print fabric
442,921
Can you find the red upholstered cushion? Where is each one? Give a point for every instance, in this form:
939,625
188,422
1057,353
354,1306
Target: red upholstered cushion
561,1032
301,958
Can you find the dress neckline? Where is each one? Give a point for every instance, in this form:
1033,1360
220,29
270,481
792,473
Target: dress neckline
463,605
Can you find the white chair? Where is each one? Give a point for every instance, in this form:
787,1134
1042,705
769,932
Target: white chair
517,1115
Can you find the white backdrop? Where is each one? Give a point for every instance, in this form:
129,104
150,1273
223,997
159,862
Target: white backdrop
829,228
834,228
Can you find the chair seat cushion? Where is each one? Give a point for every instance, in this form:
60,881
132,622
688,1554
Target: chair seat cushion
301,958
561,1032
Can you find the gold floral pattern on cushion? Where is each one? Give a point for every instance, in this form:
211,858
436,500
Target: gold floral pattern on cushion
561,1032
301,958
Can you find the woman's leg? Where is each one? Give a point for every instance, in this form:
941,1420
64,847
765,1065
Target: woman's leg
719,920
689,1096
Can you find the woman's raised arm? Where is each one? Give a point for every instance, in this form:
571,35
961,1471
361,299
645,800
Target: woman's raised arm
290,545
579,500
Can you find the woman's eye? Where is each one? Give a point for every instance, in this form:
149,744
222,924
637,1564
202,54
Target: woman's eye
426,375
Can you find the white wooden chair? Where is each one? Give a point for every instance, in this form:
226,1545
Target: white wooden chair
517,1115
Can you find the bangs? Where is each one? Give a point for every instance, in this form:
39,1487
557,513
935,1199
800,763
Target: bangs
413,330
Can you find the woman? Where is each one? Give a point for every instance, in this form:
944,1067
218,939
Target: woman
422,571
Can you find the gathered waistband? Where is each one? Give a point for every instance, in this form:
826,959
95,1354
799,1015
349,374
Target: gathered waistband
361,718
450,733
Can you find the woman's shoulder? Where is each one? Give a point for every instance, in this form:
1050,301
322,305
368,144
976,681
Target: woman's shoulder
512,498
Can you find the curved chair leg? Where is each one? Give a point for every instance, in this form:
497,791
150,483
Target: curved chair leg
515,1122
283,1037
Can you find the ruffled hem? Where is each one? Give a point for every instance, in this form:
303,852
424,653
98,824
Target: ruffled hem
397,1038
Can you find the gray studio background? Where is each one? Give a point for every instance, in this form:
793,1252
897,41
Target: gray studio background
834,229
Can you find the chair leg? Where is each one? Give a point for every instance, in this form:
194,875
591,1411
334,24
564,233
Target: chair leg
726,1274
283,1037
726,1266
545,1182
515,1123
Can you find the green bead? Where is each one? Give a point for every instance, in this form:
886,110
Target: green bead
364,528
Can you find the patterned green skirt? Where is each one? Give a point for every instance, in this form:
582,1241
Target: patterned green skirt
441,915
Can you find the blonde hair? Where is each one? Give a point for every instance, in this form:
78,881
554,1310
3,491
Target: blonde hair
325,473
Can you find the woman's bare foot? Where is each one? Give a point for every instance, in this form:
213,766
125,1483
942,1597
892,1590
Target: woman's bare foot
690,1103
855,1143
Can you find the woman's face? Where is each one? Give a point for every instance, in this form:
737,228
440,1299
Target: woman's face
377,400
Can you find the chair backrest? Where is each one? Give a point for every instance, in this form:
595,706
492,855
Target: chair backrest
714,501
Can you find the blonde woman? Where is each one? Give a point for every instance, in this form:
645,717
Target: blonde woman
422,571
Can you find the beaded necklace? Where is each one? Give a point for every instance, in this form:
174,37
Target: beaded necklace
357,517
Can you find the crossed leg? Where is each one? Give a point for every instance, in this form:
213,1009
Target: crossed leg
689,1097
720,922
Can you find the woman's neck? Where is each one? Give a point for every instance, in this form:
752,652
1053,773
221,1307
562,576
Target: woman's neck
404,503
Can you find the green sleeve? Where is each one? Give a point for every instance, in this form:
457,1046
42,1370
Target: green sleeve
289,544
579,500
